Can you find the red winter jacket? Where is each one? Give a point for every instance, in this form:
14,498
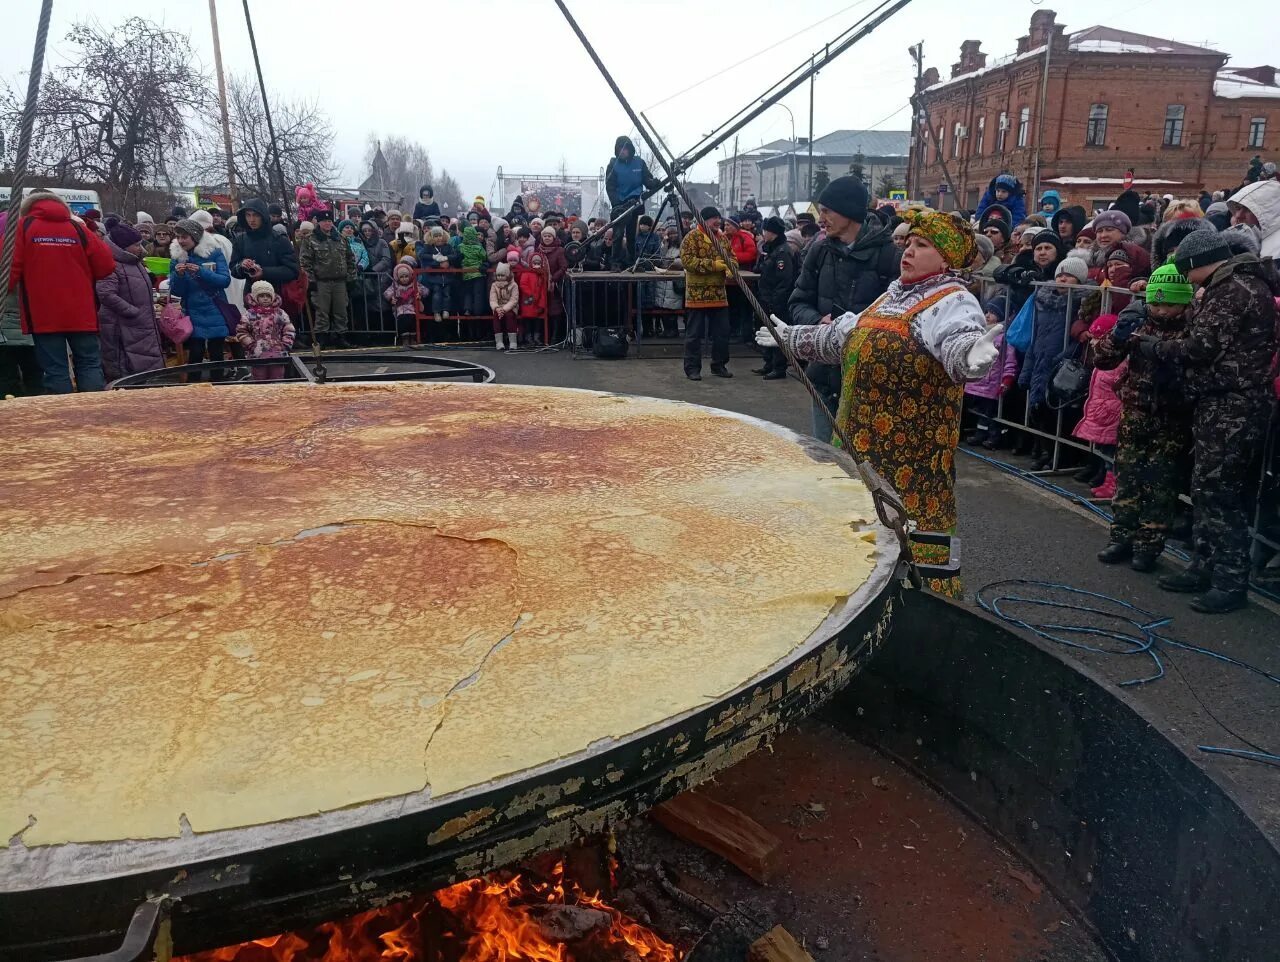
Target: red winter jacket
743,245
57,262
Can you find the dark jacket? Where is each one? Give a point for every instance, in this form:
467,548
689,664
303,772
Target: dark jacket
425,254
1016,201
273,252
379,250
626,180
421,210
1231,336
777,268
838,277
1020,276
1148,387
127,319
328,257
1047,339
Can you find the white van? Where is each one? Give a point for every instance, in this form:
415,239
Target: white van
78,200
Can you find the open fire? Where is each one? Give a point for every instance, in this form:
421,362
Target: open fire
492,919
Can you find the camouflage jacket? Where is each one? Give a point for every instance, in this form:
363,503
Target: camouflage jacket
1147,386
1230,343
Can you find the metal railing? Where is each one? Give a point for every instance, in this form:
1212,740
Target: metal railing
1014,413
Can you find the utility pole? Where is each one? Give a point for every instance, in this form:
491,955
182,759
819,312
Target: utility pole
222,102
917,117
1044,93
812,78
733,188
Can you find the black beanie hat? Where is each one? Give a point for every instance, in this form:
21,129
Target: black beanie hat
707,213
775,225
1200,249
847,197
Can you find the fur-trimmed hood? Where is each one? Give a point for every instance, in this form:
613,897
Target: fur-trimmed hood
203,249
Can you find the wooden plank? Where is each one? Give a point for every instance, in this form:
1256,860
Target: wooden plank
723,830
777,945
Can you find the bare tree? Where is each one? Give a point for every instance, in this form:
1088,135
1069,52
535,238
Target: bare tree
408,163
449,195
304,135
119,111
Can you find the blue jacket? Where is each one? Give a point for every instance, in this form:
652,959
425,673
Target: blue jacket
201,293
648,247
1047,338
1016,201
626,180
1051,197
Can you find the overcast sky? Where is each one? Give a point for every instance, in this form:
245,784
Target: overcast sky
489,83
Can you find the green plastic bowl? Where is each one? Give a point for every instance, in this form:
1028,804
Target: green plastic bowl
159,266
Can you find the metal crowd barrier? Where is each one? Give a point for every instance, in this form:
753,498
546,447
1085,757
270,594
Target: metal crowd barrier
1267,504
624,296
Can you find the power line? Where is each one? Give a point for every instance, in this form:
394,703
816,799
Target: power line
758,53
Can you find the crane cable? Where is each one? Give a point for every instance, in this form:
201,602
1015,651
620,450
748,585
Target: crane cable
889,507
318,357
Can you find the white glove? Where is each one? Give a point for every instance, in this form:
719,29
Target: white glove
984,352
765,339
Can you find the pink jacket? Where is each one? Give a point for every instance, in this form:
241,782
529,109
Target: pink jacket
1103,408
1005,367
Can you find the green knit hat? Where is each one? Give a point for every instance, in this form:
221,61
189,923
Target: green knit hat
1167,286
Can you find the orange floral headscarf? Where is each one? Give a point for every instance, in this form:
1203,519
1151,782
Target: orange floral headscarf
953,238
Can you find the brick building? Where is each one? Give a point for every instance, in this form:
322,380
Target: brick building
1086,107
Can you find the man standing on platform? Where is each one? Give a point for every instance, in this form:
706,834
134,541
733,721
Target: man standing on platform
705,299
625,181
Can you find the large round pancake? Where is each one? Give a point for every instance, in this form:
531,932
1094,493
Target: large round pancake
224,607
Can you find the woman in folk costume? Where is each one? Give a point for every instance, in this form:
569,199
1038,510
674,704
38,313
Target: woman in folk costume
904,363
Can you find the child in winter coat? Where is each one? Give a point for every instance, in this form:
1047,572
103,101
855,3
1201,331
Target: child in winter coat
265,331
474,259
983,396
1102,409
504,303
534,281
437,254
404,293
1155,424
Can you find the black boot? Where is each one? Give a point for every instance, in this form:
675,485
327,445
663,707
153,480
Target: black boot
1144,561
776,375
976,437
760,370
1087,473
1193,579
719,370
1216,601
1116,552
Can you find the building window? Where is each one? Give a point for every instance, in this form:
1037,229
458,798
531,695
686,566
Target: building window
1024,125
1173,117
978,137
1096,135
955,141
937,145
1257,131
1003,129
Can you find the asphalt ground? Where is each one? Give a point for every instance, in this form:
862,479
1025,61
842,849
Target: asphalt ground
1011,529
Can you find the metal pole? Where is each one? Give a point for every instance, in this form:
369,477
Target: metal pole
222,103
24,151
813,77
916,116
888,507
1044,92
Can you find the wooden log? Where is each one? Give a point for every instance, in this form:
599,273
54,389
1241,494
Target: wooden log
777,945
723,830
